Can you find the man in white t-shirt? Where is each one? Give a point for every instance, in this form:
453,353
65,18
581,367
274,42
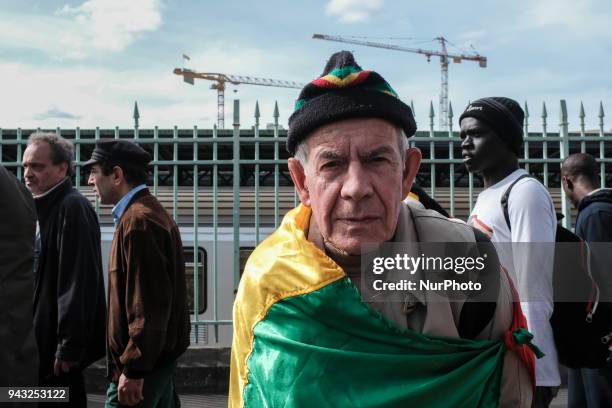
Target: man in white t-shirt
492,136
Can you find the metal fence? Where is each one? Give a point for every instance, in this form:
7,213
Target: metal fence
235,184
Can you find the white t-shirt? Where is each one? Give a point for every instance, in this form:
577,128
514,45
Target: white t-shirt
533,219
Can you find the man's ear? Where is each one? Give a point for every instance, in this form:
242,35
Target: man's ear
298,175
411,168
569,184
118,175
64,167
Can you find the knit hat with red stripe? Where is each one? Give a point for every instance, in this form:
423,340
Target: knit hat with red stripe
344,91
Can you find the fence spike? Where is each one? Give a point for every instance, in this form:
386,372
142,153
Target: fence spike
431,110
276,114
581,114
136,115
257,115
601,110
526,110
412,107
563,111
450,111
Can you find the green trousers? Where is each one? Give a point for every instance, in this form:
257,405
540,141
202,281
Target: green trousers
158,390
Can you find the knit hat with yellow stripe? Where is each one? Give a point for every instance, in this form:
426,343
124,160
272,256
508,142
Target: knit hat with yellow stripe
344,91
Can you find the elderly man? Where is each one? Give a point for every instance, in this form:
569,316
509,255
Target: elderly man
69,306
148,320
302,334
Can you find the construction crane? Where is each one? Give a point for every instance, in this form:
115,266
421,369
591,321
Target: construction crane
442,53
219,84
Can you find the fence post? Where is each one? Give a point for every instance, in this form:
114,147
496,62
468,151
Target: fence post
276,158
215,230
525,135
175,170
155,160
256,134
236,189
432,155
451,156
19,154
96,138
602,152
77,158
582,134
544,143
196,203
563,153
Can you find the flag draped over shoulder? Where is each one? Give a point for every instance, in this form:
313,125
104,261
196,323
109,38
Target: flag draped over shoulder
302,337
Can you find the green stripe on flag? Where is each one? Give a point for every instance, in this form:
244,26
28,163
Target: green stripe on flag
327,349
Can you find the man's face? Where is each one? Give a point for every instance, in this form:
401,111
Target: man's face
39,171
354,181
105,187
481,148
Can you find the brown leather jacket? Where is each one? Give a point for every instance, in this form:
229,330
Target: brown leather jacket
148,320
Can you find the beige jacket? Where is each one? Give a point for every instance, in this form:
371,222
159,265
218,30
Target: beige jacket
441,317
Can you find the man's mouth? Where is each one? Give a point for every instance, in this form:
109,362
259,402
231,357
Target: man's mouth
358,220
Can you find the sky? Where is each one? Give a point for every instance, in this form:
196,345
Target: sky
85,62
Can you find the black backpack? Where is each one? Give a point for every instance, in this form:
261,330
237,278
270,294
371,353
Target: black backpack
583,329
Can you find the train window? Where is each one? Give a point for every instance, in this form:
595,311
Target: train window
245,252
202,278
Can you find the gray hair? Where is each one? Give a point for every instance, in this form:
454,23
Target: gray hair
62,150
301,152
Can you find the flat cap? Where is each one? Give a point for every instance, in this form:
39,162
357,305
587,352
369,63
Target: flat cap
118,152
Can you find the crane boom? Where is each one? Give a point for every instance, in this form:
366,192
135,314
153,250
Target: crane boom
430,53
443,54
220,80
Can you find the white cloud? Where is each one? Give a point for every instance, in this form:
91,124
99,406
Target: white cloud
77,32
79,95
580,17
353,11
114,24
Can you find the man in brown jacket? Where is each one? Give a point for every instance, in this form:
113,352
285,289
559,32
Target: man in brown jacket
148,321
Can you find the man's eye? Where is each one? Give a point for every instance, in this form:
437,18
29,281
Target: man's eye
379,159
329,165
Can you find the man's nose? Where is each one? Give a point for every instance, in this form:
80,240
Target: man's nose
27,171
466,142
90,180
356,184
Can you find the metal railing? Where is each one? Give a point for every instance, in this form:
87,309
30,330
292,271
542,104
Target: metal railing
190,165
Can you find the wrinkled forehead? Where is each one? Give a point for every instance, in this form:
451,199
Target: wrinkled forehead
354,135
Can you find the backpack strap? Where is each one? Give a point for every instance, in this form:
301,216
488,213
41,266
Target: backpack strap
506,196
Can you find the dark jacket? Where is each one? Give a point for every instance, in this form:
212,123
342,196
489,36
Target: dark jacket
594,222
69,307
148,319
18,352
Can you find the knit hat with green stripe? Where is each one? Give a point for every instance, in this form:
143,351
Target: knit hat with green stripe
344,91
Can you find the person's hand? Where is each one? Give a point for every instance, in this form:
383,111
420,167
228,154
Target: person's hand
130,390
62,366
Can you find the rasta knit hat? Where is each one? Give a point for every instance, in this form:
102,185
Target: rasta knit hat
344,91
504,115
